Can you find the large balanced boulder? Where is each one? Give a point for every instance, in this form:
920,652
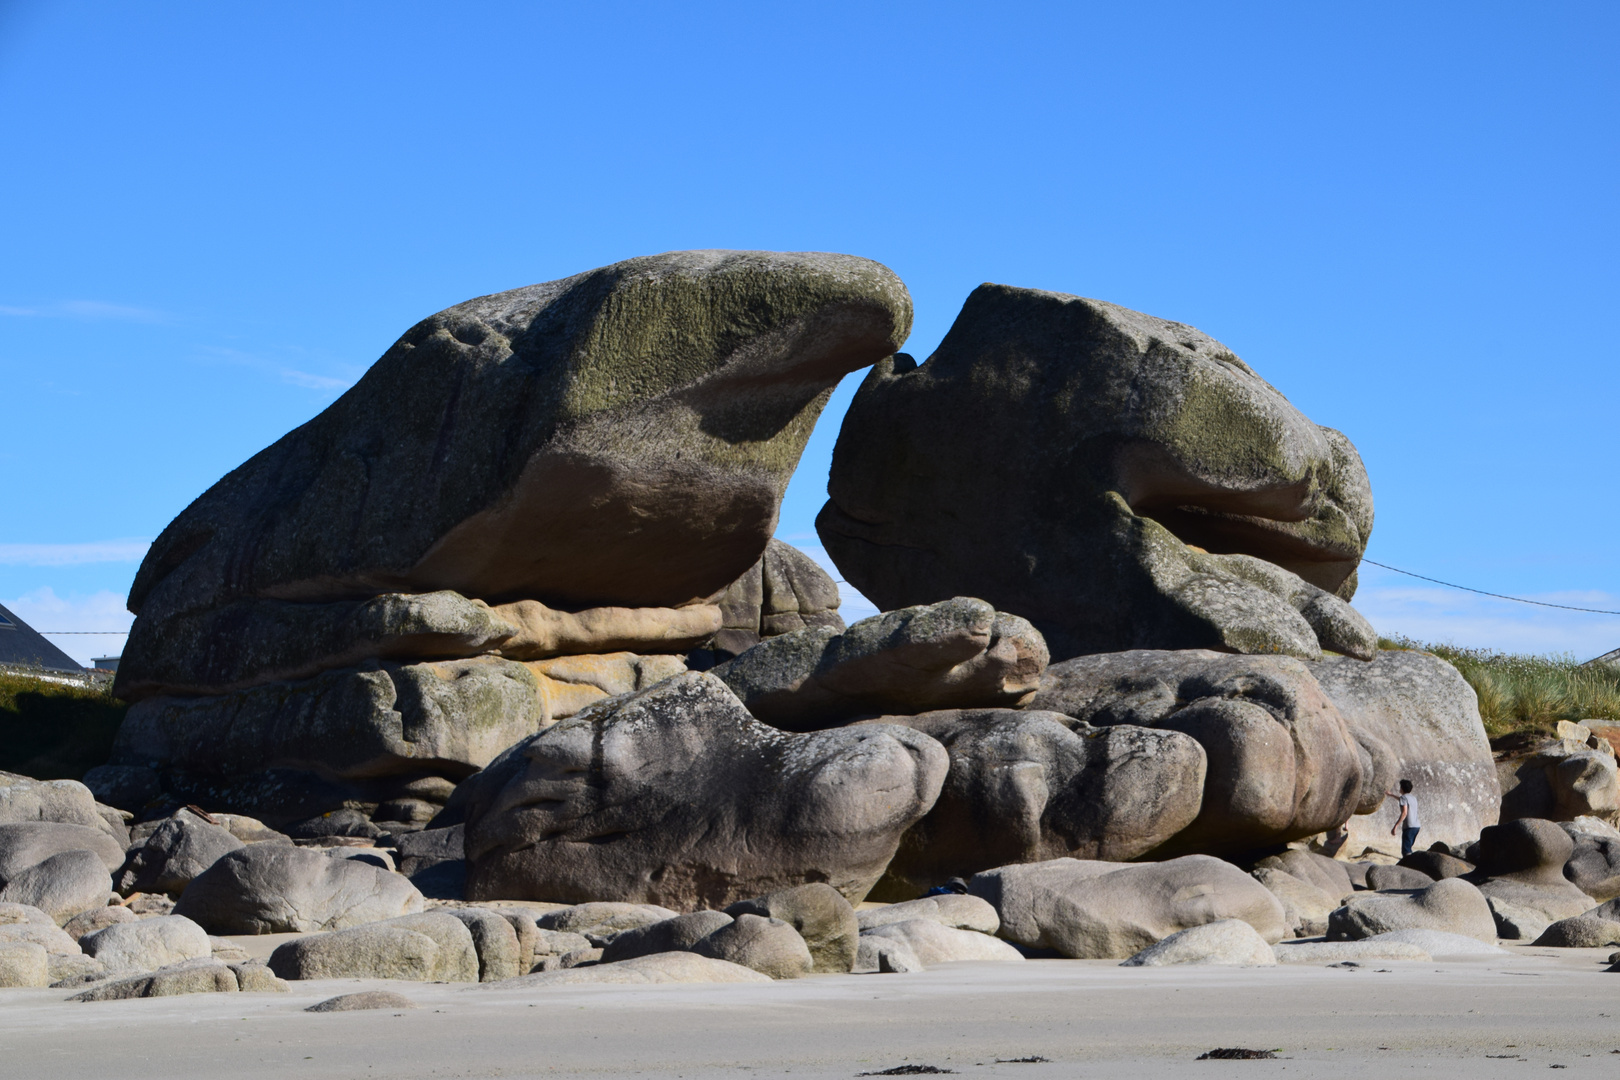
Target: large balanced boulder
621,437
1414,717
957,653
677,796
275,888
1453,906
287,751
1119,480
1092,910
1282,763
1027,785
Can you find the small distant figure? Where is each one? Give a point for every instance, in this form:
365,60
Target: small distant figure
1408,824
955,886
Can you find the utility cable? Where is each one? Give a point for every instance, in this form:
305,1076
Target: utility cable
1499,596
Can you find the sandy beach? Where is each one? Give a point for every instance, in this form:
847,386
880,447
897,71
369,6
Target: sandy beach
1475,1017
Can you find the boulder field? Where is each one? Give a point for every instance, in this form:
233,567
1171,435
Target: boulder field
506,628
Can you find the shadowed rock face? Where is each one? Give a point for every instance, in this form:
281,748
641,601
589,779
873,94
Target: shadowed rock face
619,437
1057,456
286,751
1026,786
1282,762
676,796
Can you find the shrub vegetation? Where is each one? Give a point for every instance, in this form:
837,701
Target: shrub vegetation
1521,694
52,731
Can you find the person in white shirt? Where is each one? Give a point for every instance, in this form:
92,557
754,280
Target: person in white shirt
1408,824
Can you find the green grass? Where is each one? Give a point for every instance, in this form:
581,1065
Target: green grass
1529,694
54,732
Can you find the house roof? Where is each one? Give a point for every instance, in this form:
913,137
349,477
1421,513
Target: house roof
22,646
1611,657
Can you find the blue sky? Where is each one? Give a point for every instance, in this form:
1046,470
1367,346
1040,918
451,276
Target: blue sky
1404,216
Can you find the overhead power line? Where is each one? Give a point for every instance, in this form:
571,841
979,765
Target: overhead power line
1499,596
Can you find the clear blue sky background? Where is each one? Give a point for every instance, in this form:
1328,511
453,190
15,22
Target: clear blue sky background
1404,216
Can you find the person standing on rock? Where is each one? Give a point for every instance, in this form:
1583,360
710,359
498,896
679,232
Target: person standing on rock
1408,824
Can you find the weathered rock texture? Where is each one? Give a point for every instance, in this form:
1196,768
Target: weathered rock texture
1452,905
621,437
571,683
1026,786
429,947
783,592
820,914
957,653
177,850
253,642
1414,716
66,802
1119,480
1282,763
933,943
1563,778
677,796
287,751
1230,942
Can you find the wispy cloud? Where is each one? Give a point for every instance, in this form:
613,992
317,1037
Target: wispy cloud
89,311
314,382
95,551
100,611
290,375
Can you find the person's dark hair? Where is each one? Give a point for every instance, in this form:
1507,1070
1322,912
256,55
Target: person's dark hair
1406,787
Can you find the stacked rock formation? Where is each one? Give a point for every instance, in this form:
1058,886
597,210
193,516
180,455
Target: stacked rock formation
534,499
513,602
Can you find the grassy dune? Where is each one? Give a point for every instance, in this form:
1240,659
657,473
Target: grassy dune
1529,694
54,732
